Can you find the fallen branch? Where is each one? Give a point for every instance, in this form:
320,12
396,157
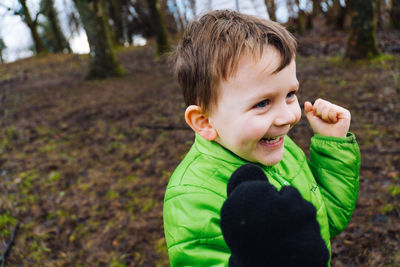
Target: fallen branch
8,247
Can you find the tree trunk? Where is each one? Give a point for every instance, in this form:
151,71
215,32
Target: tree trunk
290,8
110,31
103,61
302,22
142,21
39,46
2,47
271,8
159,26
395,14
315,12
336,15
316,8
124,7
115,12
50,12
302,18
297,2
340,14
179,16
379,14
169,18
361,43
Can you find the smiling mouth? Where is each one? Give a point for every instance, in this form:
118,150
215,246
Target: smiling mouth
271,140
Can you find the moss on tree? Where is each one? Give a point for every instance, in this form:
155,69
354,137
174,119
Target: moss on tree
163,45
361,43
103,60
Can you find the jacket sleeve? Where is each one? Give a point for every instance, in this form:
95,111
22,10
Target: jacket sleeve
192,231
335,163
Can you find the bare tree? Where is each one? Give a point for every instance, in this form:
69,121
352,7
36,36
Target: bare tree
74,24
316,8
163,45
32,25
2,47
395,14
336,14
103,61
142,21
169,17
361,42
179,17
23,11
271,8
59,40
290,6
379,14
115,12
316,11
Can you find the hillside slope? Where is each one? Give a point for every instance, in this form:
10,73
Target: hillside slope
84,164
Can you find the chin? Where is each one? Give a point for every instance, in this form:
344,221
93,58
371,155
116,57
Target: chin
270,162
272,159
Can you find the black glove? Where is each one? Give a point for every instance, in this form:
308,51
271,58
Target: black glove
264,227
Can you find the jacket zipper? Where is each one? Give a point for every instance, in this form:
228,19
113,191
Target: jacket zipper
279,178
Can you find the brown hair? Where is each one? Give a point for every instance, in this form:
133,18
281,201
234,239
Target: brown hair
212,46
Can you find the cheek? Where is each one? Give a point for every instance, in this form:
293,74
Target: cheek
255,128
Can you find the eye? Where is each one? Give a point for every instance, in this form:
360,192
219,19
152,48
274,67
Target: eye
291,94
262,104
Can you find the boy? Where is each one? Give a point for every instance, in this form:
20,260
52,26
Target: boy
238,77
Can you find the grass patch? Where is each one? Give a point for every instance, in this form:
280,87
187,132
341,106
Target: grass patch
27,179
6,223
54,176
111,195
394,190
50,146
117,263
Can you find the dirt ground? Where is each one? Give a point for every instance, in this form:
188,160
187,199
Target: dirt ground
84,164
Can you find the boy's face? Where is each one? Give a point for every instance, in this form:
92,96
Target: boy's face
256,108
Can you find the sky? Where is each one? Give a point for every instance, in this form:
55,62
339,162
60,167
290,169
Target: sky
17,36
18,40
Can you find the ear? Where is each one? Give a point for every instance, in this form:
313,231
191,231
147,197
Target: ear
200,123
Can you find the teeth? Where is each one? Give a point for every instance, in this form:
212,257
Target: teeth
271,140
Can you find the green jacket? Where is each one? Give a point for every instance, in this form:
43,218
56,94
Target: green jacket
197,190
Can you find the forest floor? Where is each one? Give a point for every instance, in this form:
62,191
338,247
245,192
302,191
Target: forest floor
84,164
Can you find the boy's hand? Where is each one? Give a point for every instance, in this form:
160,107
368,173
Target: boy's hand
327,119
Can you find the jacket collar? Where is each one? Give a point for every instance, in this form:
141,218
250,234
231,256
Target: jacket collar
217,151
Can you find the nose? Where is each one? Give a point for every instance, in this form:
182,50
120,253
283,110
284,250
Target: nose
285,115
